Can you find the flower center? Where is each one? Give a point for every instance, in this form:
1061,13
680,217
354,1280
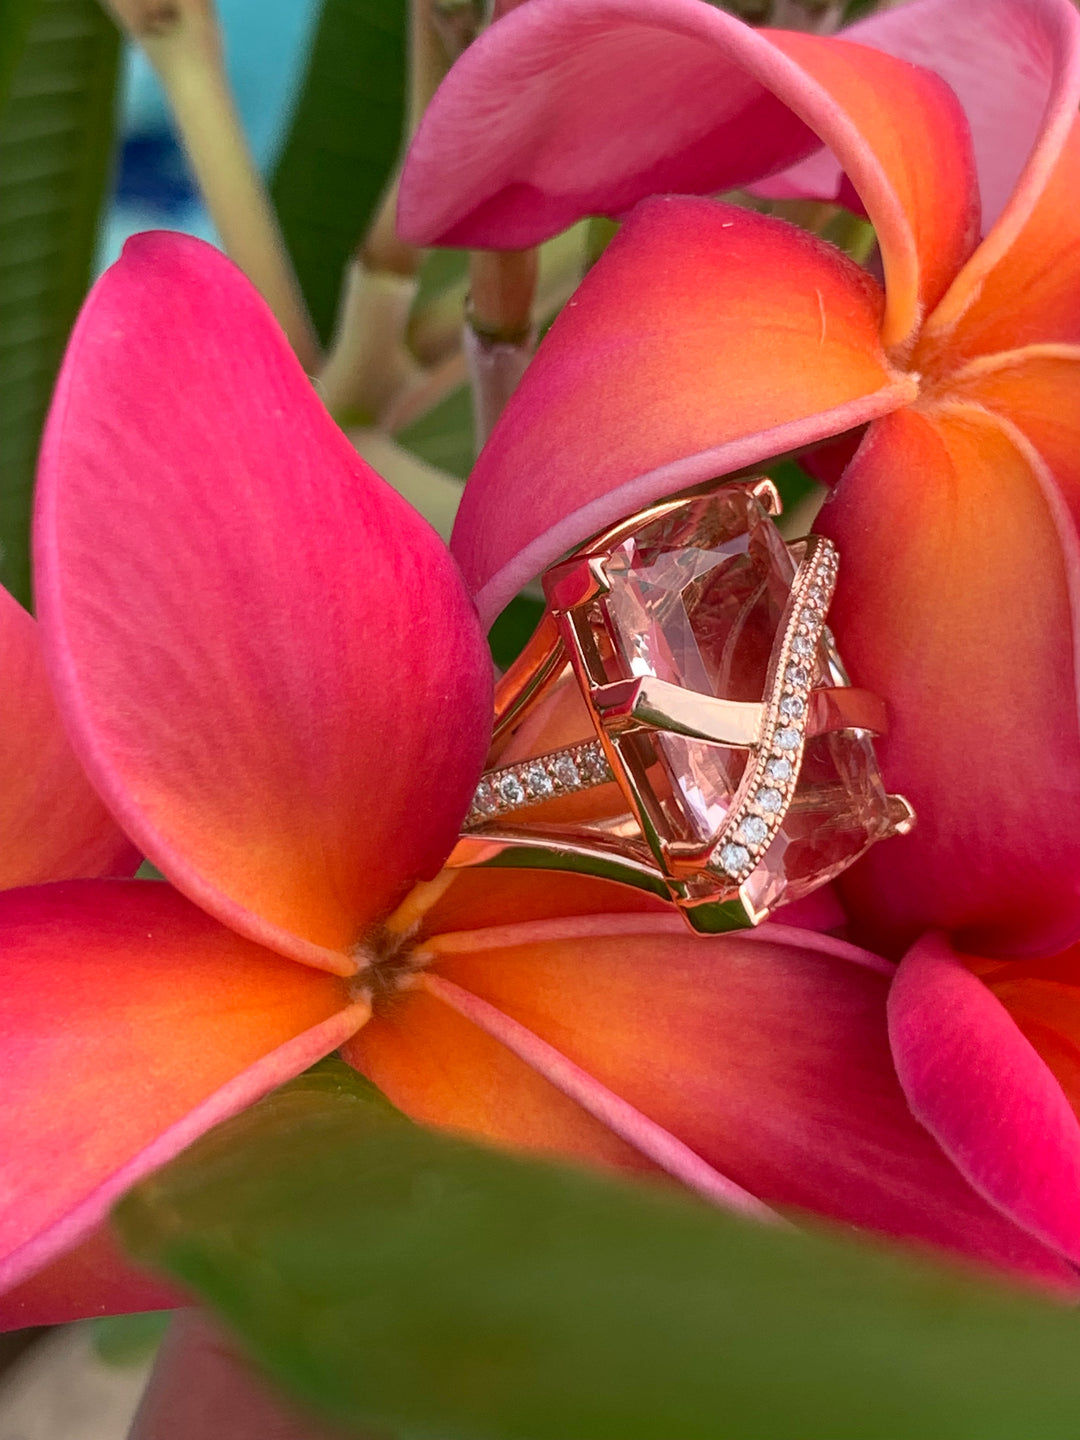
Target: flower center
390,954
389,960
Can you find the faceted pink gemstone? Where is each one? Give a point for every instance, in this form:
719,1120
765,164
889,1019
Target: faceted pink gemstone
697,598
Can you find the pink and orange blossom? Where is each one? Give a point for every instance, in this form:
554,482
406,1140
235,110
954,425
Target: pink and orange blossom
273,676
709,339
276,681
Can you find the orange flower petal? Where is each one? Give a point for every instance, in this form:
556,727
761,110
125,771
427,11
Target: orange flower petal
131,1022
52,824
765,1055
581,109
265,665
480,897
1037,389
705,339
959,573
1023,292
913,168
975,1077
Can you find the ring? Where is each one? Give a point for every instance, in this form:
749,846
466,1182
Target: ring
681,721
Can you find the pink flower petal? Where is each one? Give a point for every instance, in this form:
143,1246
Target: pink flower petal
766,1055
985,1094
203,1389
1022,286
957,602
1011,62
95,1278
654,378
1025,66
585,106
130,1023
270,668
52,824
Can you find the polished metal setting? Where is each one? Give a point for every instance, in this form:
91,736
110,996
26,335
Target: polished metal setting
641,839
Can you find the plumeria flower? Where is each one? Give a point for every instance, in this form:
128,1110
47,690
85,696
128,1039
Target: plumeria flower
711,339
708,340
272,674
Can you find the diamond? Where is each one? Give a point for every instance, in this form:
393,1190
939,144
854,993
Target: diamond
809,617
753,830
802,646
538,782
594,766
795,675
734,858
769,800
511,791
778,769
786,739
815,595
566,772
484,800
791,707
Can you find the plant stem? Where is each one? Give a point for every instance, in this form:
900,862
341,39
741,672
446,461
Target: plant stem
182,41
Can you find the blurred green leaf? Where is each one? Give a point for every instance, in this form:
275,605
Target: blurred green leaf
56,149
441,270
15,20
858,10
445,435
123,1340
513,628
343,142
792,481
400,1277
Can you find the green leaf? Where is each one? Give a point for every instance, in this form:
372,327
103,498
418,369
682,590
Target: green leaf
513,629
402,1278
792,481
442,270
343,142
15,21
56,149
445,436
123,1340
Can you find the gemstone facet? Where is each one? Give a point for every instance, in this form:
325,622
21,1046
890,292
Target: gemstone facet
698,597
703,596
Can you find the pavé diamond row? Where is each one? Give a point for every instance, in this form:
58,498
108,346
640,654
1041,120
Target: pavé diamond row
513,787
751,827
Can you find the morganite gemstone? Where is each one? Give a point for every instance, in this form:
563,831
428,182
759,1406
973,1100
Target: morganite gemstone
697,598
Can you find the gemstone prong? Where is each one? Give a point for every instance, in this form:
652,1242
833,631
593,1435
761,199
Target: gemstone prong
767,496
575,583
901,815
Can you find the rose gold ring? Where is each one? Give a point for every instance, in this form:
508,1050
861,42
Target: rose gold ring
681,720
